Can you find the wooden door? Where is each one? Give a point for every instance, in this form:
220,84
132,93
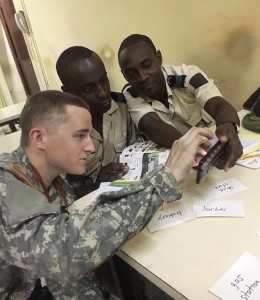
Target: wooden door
18,48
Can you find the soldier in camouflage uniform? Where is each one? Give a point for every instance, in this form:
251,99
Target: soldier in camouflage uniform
38,237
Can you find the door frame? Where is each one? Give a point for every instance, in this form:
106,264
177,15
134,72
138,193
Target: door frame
18,48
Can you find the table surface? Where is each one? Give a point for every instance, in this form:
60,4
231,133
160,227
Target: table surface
186,260
11,112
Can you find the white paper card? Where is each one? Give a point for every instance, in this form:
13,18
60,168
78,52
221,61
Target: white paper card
241,281
221,189
252,162
249,144
170,217
218,208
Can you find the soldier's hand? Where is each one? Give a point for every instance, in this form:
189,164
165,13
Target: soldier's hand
112,171
187,152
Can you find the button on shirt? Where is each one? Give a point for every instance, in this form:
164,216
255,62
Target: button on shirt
186,104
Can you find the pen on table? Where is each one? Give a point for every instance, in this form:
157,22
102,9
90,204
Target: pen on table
122,183
249,156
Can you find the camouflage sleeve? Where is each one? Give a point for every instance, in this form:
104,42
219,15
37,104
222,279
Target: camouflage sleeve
66,247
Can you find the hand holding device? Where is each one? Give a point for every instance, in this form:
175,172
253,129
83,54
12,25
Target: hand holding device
210,160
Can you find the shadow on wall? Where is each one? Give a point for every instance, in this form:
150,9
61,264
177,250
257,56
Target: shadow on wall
229,63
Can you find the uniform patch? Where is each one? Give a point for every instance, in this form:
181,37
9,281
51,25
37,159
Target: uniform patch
118,97
133,92
198,80
176,81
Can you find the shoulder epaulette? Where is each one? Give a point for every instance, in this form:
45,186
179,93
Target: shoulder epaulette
133,92
125,87
128,88
118,97
176,81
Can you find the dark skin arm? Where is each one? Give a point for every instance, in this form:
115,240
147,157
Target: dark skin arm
220,110
158,131
224,113
112,171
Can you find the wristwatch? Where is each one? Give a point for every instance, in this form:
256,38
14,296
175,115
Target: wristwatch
236,126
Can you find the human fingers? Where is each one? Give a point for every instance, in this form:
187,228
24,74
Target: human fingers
116,166
194,131
233,149
232,153
201,152
185,150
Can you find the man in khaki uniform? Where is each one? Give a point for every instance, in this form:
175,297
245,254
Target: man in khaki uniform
165,101
184,109
83,73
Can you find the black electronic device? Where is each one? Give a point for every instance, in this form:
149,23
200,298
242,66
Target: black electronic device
256,107
210,160
252,100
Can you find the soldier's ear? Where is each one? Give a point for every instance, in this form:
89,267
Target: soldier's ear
159,56
37,137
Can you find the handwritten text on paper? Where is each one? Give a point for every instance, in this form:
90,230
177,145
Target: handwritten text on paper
218,208
221,189
170,217
241,281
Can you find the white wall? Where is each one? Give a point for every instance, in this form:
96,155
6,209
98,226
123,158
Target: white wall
222,37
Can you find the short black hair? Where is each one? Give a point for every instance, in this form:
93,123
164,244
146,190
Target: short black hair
135,38
68,56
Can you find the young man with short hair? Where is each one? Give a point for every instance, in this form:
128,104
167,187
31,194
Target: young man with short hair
39,240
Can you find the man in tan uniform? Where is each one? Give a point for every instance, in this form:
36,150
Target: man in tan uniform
83,73
166,100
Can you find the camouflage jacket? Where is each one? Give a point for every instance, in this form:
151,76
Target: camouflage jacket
37,239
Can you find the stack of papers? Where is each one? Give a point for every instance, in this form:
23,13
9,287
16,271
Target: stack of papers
251,151
141,157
